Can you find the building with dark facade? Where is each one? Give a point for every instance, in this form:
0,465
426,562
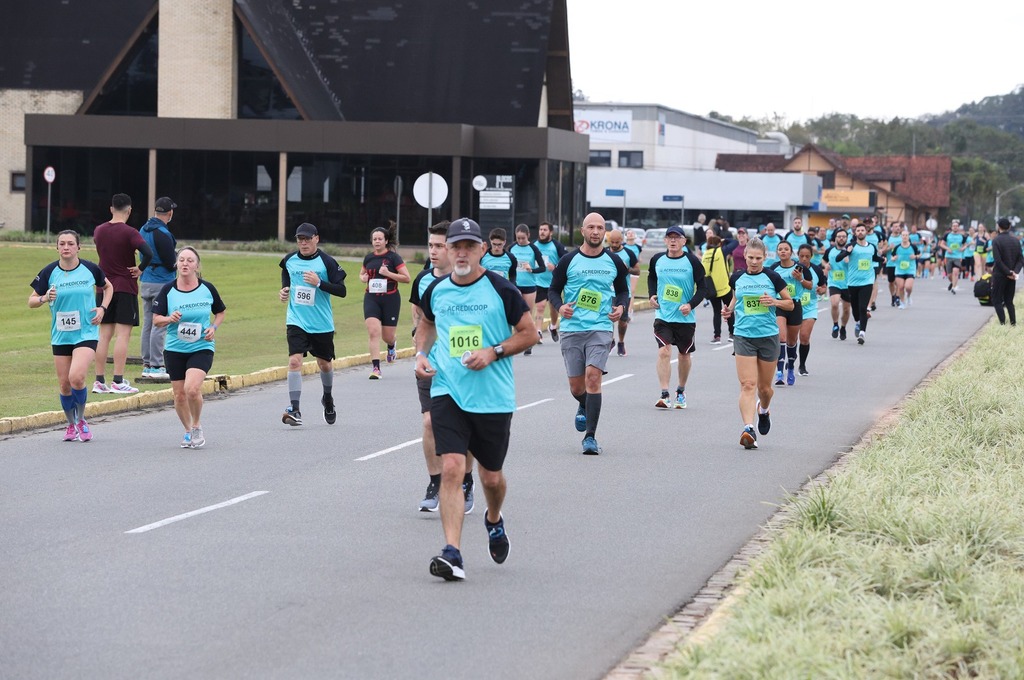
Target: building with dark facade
256,115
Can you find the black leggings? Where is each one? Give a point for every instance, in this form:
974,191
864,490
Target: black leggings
1003,289
716,320
860,299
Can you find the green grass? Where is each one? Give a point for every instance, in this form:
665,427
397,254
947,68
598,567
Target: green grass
910,561
251,338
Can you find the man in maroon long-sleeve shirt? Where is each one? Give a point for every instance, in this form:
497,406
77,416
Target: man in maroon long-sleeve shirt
116,243
1007,262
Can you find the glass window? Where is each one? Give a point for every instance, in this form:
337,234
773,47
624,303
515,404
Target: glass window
260,94
601,158
17,181
133,90
631,159
828,180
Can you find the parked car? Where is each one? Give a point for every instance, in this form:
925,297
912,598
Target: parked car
654,239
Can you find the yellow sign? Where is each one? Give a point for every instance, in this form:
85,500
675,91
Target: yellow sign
843,198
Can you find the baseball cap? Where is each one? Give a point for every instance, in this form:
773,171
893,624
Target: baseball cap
165,204
464,229
676,229
846,216
305,229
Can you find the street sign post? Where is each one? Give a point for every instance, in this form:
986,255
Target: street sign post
619,192
673,198
430,191
49,174
398,206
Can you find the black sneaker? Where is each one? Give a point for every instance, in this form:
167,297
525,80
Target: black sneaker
764,421
528,351
291,417
842,333
835,330
540,338
497,540
554,333
330,415
874,307
804,371
448,565
430,499
622,349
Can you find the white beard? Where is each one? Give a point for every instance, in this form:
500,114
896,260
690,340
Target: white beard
465,270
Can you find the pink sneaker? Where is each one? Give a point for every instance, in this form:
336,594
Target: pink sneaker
123,388
71,434
84,433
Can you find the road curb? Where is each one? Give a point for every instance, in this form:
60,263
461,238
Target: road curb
214,383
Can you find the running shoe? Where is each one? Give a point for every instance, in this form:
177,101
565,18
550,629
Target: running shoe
186,441
953,291
842,333
430,499
159,372
661,403
901,305
554,333
804,371
590,446
622,349
528,351
392,355
790,377
123,387
835,330
84,433
717,340
497,539
330,415
764,420
290,417
100,388
949,287
198,440
860,338
874,307
581,419
467,492
540,338
448,565
779,379
748,439
375,373
146,370
680,400
71,434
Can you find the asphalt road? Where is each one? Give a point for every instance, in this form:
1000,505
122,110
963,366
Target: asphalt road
318,568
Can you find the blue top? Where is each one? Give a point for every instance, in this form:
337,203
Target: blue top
836,268
771,245
71,313
420,285
595,283
309,308
628,257
533,259
470,317
676,281
860,265
904,260
551,252
506,265
196,307
956,244
753,320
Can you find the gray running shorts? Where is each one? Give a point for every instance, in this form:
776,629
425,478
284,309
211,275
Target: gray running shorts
585,348
765,349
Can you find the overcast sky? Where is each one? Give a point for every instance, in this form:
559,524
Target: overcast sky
797,59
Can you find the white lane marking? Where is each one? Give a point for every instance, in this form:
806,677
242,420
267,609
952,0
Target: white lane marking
200,511
613,380
417,441
535,403
722,346
393,448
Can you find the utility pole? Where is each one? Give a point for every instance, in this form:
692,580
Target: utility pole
1003,193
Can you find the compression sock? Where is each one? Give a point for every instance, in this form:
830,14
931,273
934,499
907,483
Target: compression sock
593,406
80,397
791,356
295,388
67,404
327,380
804,351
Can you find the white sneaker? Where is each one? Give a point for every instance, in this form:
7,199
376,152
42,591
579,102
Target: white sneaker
122,388
158,372
100,388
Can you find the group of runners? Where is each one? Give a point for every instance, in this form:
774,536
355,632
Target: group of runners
476,303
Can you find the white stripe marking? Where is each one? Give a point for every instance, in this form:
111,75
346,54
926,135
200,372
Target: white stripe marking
621,377
393,448
724,346
200,511
417,441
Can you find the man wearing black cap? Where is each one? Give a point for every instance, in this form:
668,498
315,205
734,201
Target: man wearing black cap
154,277
472,321
309,276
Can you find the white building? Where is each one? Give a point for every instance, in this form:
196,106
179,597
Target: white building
657,165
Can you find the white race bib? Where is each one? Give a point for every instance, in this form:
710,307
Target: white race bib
189,332
377,285
69,321
305,295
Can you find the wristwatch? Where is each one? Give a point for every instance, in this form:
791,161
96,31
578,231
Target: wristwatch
499,351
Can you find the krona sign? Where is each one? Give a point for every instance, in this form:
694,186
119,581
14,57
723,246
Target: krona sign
619,127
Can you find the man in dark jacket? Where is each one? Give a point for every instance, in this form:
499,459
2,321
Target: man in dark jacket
159,273
1007,262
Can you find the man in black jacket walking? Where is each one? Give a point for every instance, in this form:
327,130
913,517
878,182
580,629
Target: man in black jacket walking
1007,264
